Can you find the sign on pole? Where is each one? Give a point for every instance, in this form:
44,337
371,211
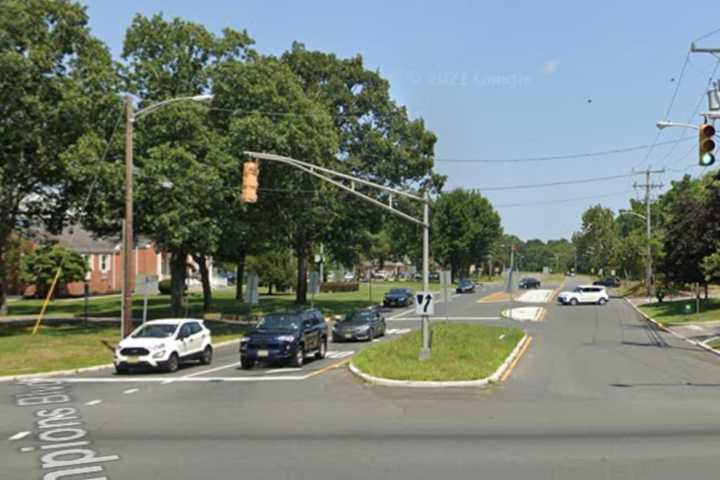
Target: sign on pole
314,283
424,303
251,289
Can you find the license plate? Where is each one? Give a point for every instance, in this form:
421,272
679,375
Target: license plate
133,359
348,335
262,353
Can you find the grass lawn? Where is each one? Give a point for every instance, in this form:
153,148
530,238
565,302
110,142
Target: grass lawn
223,302
459,352
673,313
71,346
715,344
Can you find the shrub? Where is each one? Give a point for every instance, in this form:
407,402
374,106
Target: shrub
331,287
164,287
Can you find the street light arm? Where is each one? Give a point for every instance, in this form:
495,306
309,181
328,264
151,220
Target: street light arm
665,124
630,212
155,106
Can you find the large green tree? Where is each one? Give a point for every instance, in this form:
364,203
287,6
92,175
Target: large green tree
57,85
464,227
598,240
40,267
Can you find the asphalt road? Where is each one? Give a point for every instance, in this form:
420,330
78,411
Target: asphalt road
599,394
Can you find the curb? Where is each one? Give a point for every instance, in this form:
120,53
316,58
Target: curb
665,329
481,383
96,368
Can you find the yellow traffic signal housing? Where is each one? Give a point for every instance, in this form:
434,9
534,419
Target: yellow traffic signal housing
250,182
707,144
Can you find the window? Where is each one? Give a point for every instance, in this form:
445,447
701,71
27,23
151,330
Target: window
195,328
89,263
185,330
104,263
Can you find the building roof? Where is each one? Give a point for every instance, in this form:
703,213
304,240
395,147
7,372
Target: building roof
82,241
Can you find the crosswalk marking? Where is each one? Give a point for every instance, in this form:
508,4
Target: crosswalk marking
340,354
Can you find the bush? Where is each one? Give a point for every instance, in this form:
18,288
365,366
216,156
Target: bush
164,287
331,287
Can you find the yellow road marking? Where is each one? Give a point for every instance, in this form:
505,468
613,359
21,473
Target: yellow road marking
328,368
517,359
540,315
495,297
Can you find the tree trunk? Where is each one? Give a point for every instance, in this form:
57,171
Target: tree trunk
706,291
178,271
301,286
201,260
240,276
270,285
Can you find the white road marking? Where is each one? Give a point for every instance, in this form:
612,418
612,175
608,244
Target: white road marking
401,314
440,317
398,331
523,314
27,449
131,390
93,402
697,328
342,354
281,370
536,296
211,370
177,380
19,435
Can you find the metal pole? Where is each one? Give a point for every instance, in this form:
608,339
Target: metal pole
648,264
510,277
128,230
425,350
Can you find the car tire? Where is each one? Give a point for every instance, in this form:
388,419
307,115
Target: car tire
298,357
320,354
371,335
207,355
246,363
573,301
173,363
602,301
121,370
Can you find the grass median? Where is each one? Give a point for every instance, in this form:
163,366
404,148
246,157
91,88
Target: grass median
675,313
72,346
459,352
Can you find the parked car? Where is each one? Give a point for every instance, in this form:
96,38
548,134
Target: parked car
364,324
529,282
379,275
584,294
608,282
434,276
164,344
286,337
349,276
465,286
398,297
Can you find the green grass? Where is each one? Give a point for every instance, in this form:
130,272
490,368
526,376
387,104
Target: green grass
72,346
223,302
631,288
715,344
459,352
673,313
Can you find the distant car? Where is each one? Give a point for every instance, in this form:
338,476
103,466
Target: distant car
529,282
164,344
365,324
349,276
465,286
398,297
608,282
286,337
584,294
380,275
434,276
569,274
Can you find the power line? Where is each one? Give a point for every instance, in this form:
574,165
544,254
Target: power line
709,34
564,200
600,153
556,183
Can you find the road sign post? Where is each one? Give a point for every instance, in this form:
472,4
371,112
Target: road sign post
424,304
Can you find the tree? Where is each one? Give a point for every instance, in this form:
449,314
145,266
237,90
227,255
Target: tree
40,266
464,227
275,268
597,241
57,86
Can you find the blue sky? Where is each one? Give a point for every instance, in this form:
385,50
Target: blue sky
499,80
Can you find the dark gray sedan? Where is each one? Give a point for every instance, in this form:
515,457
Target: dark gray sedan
363,324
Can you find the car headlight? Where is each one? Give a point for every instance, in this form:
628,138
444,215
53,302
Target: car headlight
286,338
159,354
158,346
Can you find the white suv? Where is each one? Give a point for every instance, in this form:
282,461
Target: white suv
585,294
164,344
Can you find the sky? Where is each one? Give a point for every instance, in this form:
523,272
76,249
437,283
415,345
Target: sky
505,80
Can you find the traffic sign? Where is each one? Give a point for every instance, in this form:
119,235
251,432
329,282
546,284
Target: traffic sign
424,303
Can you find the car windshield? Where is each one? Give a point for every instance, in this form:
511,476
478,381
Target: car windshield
397,291
357,317
578,289
162,330
464,282
279,322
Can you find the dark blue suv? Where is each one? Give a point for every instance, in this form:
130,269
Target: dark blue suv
286,337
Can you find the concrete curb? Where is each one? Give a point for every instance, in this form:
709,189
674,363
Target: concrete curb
662,327
481,383
96,368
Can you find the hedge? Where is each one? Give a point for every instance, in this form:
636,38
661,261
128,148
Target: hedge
331,287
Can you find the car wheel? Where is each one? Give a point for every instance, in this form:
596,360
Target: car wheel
207,356
298,358
371,335
602,301
322,351
573,301
246,363
121,370
173,363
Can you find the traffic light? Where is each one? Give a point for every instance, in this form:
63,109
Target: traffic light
250,182
707,144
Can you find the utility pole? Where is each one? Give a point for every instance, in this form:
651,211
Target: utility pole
127,318
648,186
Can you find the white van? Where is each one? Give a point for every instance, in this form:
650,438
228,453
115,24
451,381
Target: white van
585,294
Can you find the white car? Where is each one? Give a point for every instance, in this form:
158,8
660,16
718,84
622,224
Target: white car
349,276
164,344
584,294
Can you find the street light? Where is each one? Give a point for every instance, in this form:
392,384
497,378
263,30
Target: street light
130,116
661,124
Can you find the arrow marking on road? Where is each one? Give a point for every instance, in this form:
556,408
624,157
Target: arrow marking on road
19,435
